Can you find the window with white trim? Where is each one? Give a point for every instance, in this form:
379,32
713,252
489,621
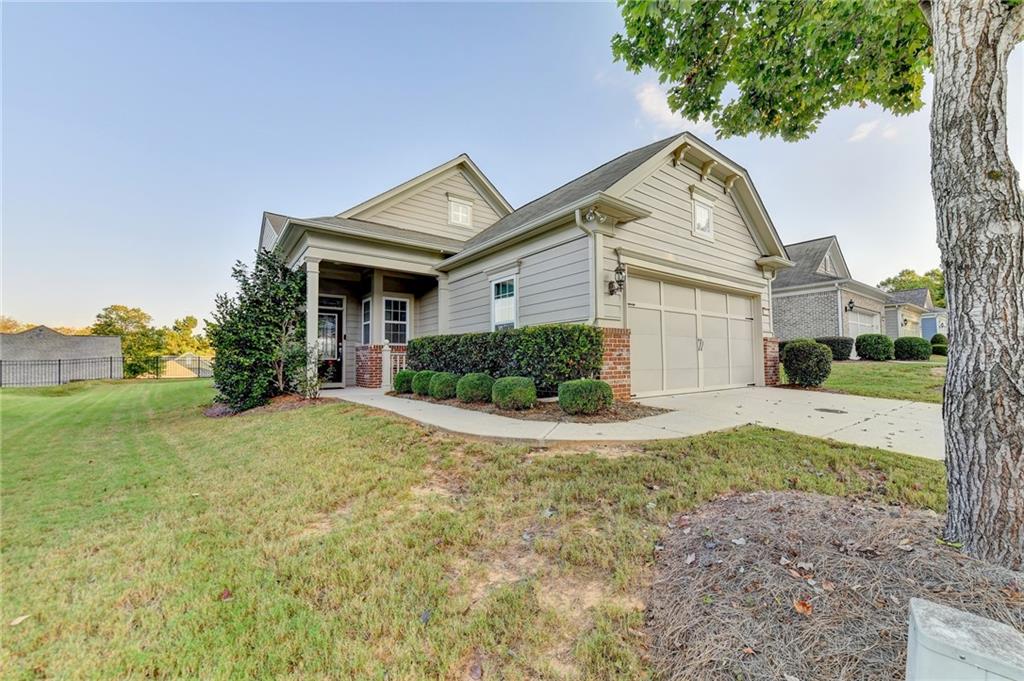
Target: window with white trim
460,212
703,218
503,303
396,320
365,320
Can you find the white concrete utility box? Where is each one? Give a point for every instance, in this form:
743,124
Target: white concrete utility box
946,644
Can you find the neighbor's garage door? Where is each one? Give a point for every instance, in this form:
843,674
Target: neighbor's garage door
684,338
862,322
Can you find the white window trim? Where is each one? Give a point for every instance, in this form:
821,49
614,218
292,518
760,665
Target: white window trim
710,205
507,275
366,325
408,316
467,204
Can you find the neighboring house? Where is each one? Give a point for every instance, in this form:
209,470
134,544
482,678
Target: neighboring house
912,313
819,297
668,247
42,356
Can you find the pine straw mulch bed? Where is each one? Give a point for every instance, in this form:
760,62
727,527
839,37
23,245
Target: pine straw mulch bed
787,585
550,411
279,403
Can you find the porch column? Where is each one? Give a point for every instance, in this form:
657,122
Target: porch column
312,309
377,308
442,303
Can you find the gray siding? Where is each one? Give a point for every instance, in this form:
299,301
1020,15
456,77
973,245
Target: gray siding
425,320
892,323
808,315
667,233
427,209
554,282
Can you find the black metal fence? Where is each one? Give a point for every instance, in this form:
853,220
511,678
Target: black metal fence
41,372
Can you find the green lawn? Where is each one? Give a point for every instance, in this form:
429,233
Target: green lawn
918,381
144,539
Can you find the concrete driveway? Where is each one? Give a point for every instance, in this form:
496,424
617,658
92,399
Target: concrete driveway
897,425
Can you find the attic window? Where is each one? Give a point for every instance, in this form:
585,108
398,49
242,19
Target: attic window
460,212
828,265
703,218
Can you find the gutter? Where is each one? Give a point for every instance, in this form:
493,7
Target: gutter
595,264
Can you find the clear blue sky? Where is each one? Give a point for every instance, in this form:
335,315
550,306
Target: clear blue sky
142,142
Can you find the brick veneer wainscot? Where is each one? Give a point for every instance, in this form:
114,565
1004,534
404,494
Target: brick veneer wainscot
368,364
771,361
615,362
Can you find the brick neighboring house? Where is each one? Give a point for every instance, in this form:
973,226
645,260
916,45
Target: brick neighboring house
42,356
667,247
819,297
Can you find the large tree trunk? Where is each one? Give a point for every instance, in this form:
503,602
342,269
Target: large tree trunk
980,215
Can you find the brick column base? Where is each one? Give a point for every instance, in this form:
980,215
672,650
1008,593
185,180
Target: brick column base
368,369
615,362
771,361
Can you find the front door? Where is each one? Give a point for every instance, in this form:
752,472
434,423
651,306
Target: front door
331,340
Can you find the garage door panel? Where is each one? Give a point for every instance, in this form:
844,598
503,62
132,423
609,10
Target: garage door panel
646,350
741,306
644,292
681,370
741,338
715,333
682,297
712,301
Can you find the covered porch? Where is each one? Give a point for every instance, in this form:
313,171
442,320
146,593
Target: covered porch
361,317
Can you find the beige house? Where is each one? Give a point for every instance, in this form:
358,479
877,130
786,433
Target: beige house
668,247
906,310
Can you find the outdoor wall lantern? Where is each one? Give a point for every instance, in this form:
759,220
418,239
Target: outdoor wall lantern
850,305
615,287
906,322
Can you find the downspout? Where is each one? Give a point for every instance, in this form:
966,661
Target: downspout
594,266
839,309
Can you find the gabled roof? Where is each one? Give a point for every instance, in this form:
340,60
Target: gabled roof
610,181
372,231
920,297
597,180
808,256
487,190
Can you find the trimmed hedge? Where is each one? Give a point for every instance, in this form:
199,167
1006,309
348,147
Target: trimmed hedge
549,354
940,349
783,344
421,382
475,387
584,396
912,348
939,339
514,392
403,381
807,362
874,346
841,346
442,385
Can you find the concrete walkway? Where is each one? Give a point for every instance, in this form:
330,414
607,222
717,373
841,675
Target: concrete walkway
897,425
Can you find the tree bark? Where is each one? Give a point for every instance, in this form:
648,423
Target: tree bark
980,217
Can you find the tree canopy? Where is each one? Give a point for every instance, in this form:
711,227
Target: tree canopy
933,280
777,68
140,340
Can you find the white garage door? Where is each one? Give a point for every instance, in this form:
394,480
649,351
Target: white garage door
862,322
684,338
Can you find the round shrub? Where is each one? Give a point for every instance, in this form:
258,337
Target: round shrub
584,396
783,344
403,381
514,392
474,387
841,346
807,362
874,346
939,339
912,348
442,385
421,382
940,349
